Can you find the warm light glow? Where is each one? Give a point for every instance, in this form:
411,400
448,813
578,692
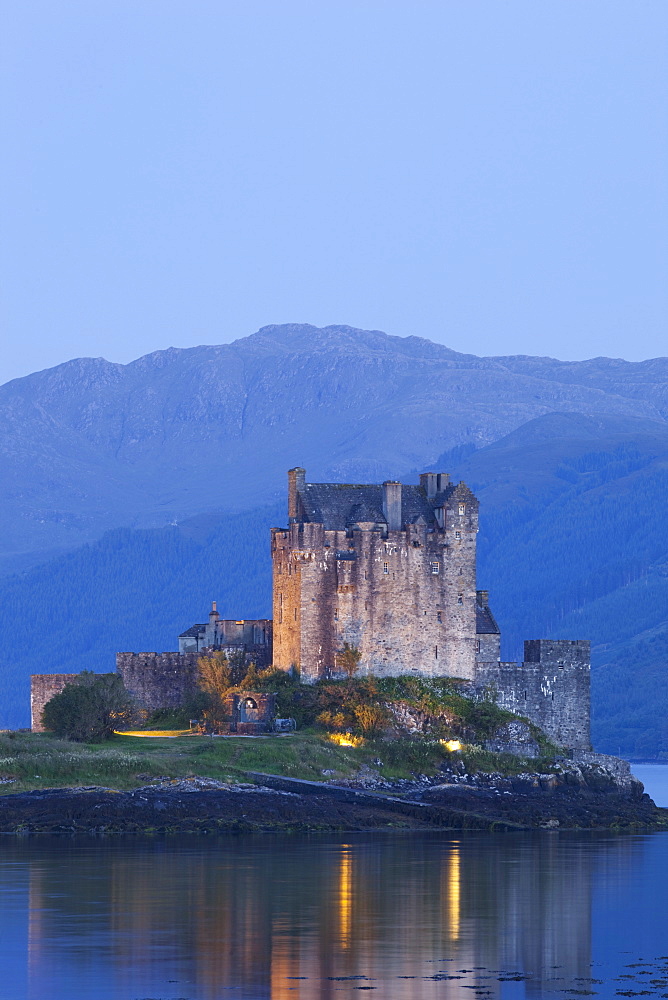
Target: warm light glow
452,892
345,895
165,734
451,745
347,739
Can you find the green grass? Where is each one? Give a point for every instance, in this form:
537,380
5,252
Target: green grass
42,761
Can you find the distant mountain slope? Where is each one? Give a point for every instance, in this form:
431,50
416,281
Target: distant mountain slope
91,445
131,590
573,543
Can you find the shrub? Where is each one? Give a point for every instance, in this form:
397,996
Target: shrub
371,719
348,660
89,709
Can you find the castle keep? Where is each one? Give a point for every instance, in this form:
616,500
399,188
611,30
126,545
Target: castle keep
390,569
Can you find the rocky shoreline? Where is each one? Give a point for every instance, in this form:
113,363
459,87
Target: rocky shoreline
595,793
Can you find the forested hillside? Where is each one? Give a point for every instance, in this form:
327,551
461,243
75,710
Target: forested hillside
573,543
131,590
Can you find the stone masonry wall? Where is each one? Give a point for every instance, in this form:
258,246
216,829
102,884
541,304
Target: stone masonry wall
551,688
43,687
404,598
158,680
488,649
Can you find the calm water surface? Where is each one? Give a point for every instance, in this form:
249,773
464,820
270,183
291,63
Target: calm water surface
506,916
655,779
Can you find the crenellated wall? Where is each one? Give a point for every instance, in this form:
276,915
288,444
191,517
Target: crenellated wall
551,688
158,680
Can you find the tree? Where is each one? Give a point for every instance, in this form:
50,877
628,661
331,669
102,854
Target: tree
348,660
215,680
89,709
215,674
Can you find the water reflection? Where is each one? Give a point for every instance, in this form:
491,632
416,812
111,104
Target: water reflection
278,917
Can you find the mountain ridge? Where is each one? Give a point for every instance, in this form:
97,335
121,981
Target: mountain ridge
91,445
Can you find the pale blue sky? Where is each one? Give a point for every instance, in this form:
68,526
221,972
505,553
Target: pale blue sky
491,174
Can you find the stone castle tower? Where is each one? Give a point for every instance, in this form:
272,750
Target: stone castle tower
389,569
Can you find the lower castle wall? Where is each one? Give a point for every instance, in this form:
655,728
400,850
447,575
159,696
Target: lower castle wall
550,688
43,687
158,680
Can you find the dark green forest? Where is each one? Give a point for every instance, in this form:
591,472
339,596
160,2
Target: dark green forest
573,543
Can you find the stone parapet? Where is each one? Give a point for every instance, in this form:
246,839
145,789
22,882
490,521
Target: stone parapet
550,688
158,680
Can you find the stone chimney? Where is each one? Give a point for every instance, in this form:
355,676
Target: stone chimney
392,505
433,482
213,614
482,597
428,483
296,481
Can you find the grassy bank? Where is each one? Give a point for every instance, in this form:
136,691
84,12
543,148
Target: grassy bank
31,761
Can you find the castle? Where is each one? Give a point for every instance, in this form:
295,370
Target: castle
388,570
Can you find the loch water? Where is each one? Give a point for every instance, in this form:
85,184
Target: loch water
395,915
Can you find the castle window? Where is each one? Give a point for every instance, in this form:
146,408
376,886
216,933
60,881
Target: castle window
477,645
460,599
435,652
458,534
336,616
435,568
439,616
462,509
295,614
386,568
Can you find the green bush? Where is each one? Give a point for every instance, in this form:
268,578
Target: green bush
89,709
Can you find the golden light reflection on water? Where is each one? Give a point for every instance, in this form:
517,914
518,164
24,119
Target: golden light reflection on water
345,895
298,919
451,891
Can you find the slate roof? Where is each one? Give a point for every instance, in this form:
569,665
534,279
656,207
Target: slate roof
484,621
193,631
337,506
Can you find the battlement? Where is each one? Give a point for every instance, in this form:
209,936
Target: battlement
158,680
550,687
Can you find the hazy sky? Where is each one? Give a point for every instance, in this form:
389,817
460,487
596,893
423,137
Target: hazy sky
491,174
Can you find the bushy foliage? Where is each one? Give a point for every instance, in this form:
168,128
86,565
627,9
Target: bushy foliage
89,709
348,660
363,704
